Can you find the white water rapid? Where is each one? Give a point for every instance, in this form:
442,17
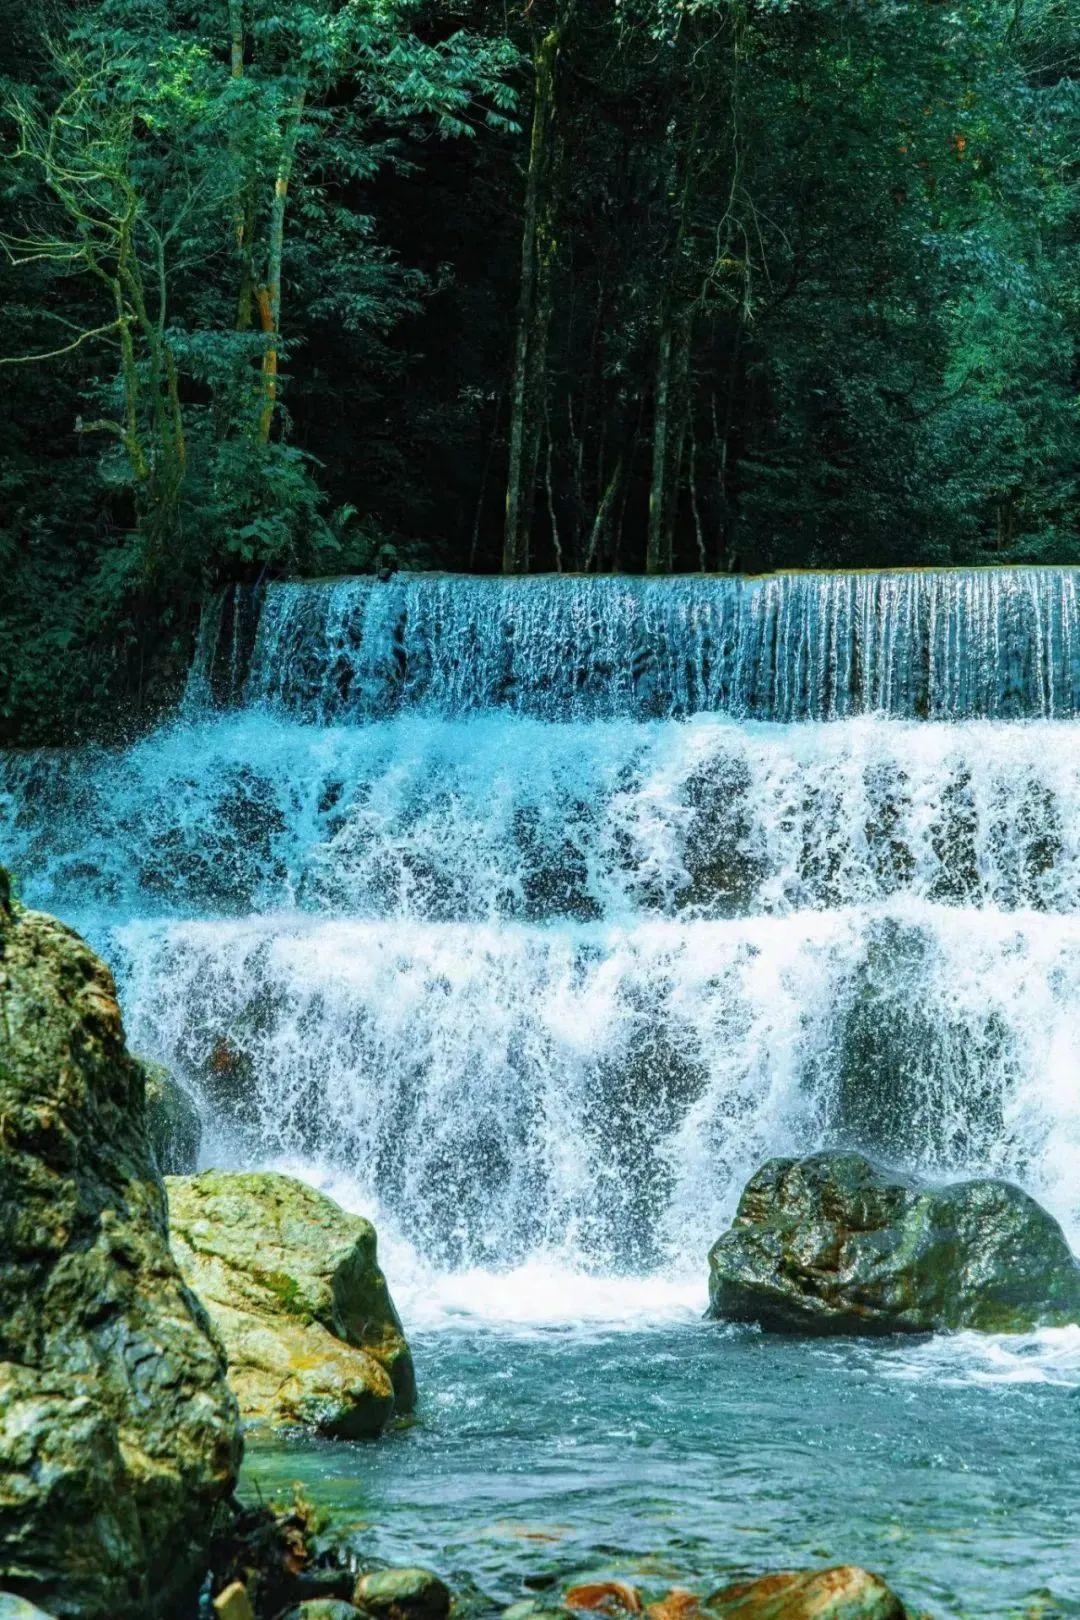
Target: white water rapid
531,916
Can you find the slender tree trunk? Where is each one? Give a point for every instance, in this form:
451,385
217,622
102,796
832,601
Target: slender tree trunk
236,406
670,394
603,511
658,486
534,313
268,297
244,201
236,38
670,416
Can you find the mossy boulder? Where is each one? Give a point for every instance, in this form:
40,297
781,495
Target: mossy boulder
835,1244
293,1285
119,1436
175,1126
402,1594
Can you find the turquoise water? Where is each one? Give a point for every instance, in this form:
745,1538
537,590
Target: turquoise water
691,1452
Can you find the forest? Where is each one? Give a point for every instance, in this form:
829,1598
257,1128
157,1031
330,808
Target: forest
304,287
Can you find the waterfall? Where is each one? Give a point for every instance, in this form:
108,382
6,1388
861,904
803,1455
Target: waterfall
933,643
544,910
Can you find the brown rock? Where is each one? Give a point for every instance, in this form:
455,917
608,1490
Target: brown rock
612,1597
843,1593
678,1605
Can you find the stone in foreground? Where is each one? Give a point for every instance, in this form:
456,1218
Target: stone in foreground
402,1594
293,1286
16,1608
843,1593
835,1244
175,1126
118,1434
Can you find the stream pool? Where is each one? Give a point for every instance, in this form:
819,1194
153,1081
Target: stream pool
688,1453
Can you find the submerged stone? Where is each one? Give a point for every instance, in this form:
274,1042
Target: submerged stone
537,1609
843,1593
321,1609
175,1126
118,1434
293,1286
835,1244
612,1597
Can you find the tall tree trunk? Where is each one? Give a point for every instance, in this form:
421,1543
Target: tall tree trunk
670,392
534,312
268,297
236,404
670,416
236,38
658,486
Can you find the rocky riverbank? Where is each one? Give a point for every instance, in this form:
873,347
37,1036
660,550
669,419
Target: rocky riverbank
119,1436
287,1566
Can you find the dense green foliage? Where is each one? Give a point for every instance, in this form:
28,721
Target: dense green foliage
300,286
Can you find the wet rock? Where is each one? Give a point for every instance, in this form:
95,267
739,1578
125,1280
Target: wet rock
323,1584
843,1593
611,1597
679,1604
118,1434
175,1126
293,1286
402,1594
321,1609
17,1608
835,1244
234,1603
537,1609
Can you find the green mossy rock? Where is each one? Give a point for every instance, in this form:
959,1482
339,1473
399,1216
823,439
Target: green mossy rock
175,1126
843,1593
402,1594
834,1244
293,1285
119,1436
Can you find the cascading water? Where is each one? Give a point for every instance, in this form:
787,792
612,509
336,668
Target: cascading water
529,917
444,905
933,643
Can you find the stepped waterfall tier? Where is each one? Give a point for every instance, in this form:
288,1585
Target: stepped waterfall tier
529,917
939,643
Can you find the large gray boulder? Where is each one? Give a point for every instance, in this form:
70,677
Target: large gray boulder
119,1436
293,1285
835,1244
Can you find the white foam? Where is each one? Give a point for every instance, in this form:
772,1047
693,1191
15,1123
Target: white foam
547,1292
1049,1356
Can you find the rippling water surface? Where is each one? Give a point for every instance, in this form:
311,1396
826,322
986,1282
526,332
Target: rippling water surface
686,1453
